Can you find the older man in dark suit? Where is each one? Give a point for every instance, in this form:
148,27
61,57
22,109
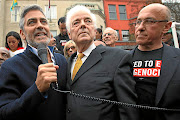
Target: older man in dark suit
105,73
25,92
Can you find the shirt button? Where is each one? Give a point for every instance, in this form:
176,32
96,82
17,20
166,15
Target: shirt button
68,110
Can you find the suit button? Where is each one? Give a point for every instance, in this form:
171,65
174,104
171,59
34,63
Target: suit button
68,110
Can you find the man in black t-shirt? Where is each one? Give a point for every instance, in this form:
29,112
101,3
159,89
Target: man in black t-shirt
146,71
62,38
156,66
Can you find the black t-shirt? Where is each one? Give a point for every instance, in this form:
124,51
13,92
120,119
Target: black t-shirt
61,41
146,71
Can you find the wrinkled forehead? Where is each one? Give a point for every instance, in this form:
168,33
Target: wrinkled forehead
80,15
108,31
153,11
4,51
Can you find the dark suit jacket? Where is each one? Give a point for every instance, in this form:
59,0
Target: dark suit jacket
106,74
168,88
19,96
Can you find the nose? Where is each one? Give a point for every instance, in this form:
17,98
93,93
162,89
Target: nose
11,44
64,30
70,50
141,27
83,24
39,25
106,35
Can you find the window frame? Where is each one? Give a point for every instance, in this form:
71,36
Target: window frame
125,39
53,12
122,13
15,14
112,12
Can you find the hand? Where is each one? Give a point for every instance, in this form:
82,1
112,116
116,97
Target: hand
46,74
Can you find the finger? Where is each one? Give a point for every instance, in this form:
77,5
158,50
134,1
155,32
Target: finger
46,65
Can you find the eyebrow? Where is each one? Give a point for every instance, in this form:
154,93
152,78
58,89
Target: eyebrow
78,19
146,18
31,19
36,19
4,52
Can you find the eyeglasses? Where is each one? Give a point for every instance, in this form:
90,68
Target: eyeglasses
72,47
148,22
109,34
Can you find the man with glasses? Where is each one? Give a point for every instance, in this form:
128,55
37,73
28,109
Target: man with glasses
110,37
156,66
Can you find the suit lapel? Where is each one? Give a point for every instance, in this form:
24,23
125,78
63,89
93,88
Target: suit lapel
169,64
92,59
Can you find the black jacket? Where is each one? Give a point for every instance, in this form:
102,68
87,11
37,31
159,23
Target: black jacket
19,96
106,74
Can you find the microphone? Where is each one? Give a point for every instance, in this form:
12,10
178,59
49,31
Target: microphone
42,53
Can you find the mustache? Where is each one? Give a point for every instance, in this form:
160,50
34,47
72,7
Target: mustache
40,31
83,30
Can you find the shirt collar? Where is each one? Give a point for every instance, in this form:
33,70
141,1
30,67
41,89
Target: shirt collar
89,50
35,51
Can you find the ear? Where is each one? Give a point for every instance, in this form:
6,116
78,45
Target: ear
95,30
22,35
116,38
167,27
69,34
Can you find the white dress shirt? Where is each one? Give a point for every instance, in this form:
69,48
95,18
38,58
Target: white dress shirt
86,54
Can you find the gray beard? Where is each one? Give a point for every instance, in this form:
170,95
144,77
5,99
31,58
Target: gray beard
35,44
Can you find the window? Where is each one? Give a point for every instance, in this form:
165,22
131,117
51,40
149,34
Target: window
54,32
118,34
112,12
122,12
15,14
51,13
125,35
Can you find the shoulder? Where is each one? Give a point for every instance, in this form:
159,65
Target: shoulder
171,50
112,52
20,48
60,57
112,49
14,62
57,37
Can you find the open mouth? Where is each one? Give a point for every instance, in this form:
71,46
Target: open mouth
40,34
106,39
1,61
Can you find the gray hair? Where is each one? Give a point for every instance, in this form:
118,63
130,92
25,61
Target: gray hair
114,31
25,11
76,9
